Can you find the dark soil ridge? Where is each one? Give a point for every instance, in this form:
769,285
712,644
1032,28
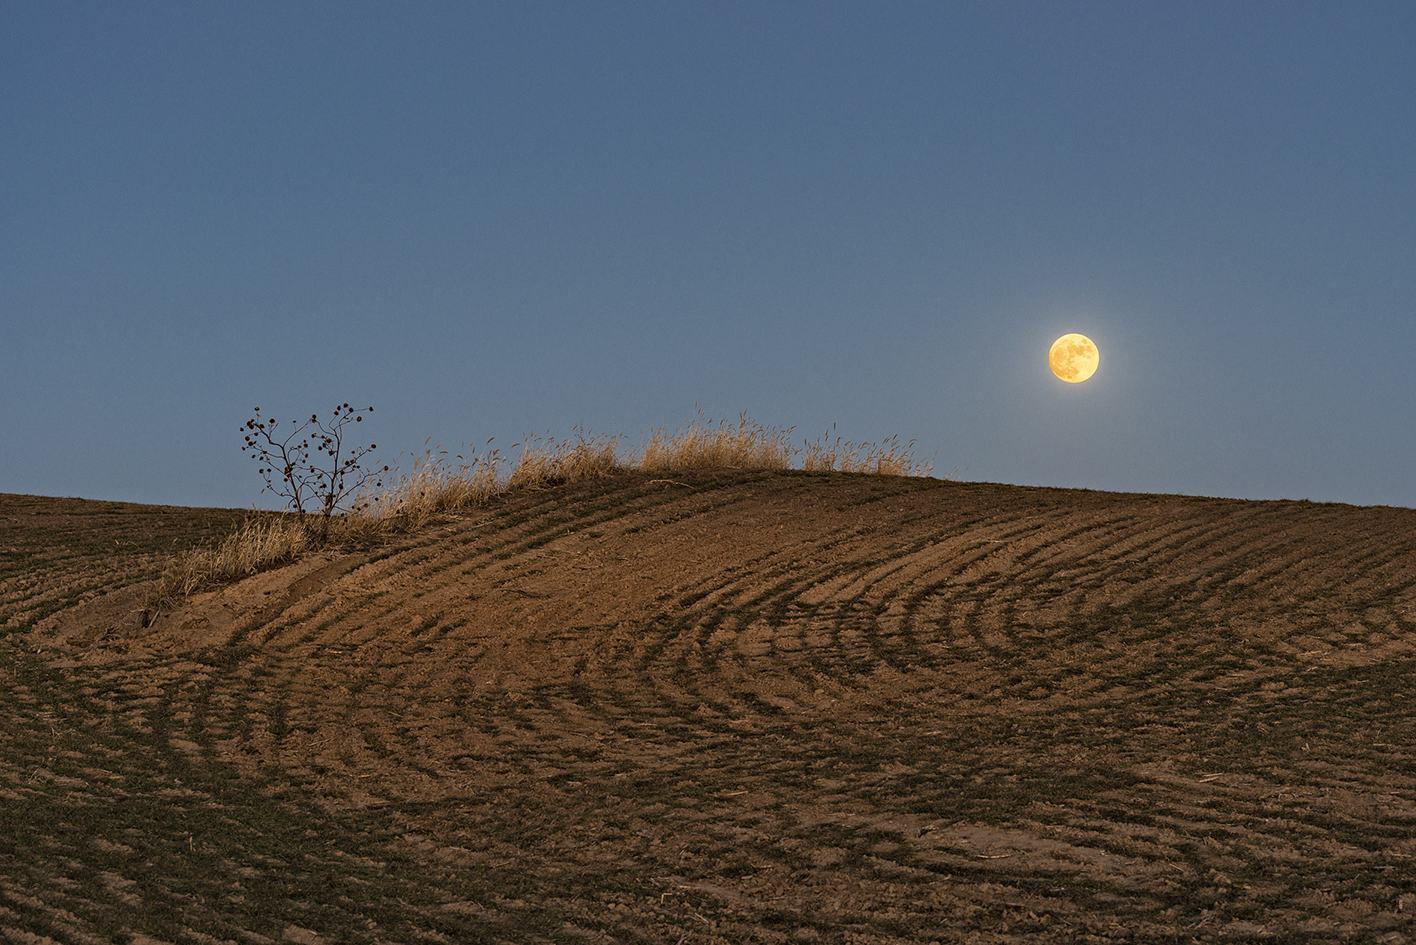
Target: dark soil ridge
729,706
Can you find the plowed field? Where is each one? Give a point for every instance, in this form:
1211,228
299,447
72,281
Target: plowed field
727,707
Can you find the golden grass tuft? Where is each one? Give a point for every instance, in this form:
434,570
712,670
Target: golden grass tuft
438,484
549,462
260,543
701,444
889,458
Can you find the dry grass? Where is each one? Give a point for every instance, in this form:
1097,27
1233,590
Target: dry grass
262,542
545,463
438,483
746,445
889,458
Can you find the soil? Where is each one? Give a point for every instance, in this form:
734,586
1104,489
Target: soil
722,707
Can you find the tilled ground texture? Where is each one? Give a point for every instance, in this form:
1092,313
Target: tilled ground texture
727,707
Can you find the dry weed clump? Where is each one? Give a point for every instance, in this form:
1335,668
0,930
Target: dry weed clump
585,457
889,458
438,483
262,542
748,445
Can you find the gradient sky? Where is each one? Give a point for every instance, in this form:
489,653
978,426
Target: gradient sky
487,219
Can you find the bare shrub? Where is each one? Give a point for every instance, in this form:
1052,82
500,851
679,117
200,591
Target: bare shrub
307,484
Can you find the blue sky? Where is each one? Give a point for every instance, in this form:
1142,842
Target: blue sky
488,219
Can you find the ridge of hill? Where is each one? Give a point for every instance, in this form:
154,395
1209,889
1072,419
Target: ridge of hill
730,706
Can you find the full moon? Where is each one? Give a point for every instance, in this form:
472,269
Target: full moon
1073,358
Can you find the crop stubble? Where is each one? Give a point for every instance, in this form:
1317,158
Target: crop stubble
735,707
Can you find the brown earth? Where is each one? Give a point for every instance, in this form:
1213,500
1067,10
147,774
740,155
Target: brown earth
728,707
